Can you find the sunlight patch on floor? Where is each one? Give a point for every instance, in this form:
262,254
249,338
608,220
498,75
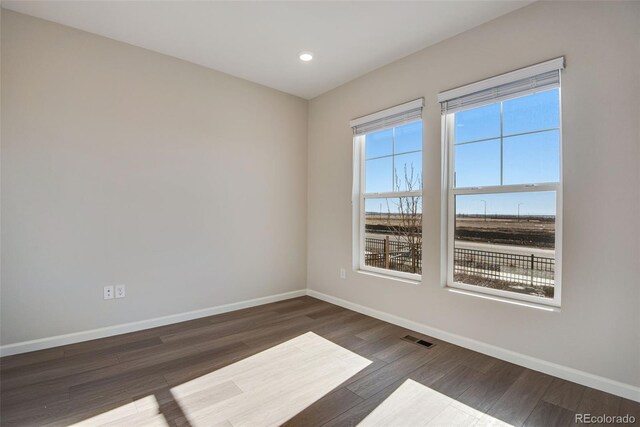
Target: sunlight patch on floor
142,412
414,404
270,387
265,389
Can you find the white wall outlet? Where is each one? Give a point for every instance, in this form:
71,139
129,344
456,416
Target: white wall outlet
108,292
121,291
343,273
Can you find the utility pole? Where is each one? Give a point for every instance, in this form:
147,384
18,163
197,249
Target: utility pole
485,209
519,204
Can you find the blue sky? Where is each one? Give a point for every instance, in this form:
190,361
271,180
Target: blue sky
388,205
530,153
537,203
383,153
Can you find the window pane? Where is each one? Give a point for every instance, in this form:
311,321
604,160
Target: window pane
379,175
379,144
408,174
506,241
532,158
532,112
477,164
393,233
478,123
408,138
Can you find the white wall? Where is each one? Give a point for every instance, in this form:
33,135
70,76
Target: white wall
120,165
598,328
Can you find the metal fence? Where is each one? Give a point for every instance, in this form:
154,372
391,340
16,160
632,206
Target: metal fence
393,255
489,266
510,268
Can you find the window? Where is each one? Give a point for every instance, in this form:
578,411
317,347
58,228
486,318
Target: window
502,151
388,191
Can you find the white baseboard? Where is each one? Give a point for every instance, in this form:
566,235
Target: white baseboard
617,388
43,343
627,391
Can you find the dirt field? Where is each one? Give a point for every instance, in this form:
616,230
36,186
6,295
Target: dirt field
537,232
528,231
375,223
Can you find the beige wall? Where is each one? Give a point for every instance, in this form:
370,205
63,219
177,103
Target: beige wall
597,330
121,165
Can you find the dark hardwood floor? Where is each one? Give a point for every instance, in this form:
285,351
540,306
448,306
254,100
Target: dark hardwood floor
65,385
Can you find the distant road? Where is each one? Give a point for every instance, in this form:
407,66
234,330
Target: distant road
507,249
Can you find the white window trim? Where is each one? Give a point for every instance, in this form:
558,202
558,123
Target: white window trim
358,208
448,218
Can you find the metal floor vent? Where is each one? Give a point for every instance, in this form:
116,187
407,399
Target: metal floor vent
418,341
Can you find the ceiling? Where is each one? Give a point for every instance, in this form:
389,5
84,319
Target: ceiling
260,41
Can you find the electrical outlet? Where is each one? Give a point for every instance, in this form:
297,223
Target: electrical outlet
108,292
343,273
120,291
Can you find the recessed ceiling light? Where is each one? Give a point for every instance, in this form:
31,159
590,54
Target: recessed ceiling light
306,56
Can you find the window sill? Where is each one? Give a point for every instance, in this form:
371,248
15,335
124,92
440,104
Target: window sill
527,304
390,276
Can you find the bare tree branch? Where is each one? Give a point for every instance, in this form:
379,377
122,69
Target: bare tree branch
405,223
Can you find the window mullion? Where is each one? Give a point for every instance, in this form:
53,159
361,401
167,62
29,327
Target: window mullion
361,201
392,195
519,188
393,158
501,144
506,136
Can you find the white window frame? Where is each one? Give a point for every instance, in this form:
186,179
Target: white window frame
448,212
359,197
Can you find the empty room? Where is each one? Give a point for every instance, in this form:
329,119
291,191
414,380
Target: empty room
319,213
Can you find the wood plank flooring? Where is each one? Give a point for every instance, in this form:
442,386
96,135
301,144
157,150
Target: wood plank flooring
155,377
